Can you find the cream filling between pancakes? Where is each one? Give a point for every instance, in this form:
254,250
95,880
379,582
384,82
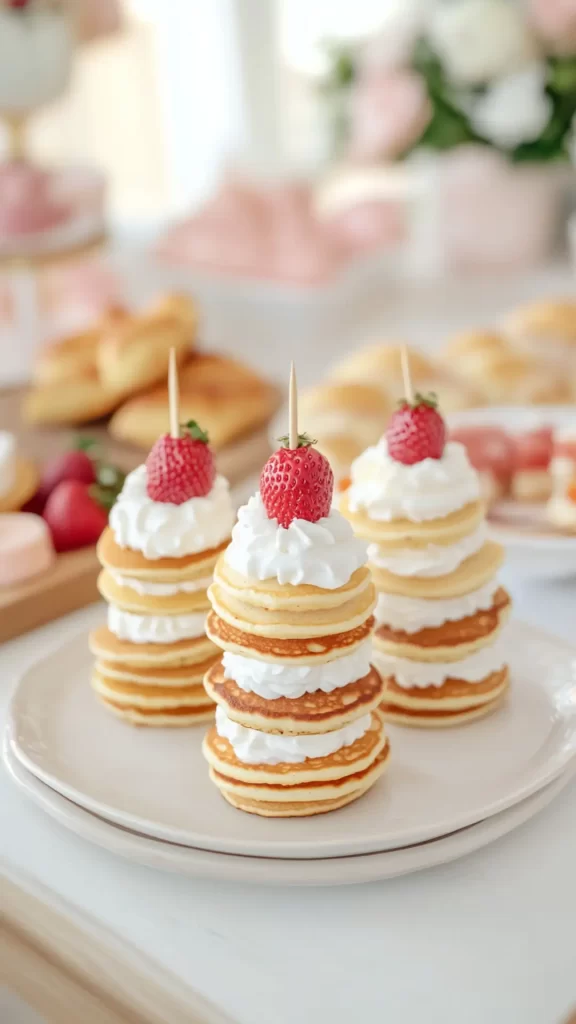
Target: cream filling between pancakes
160,589
254,747
473,669
433,560
273,680
410,615
155,629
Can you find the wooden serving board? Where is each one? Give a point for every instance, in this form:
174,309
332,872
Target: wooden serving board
71,583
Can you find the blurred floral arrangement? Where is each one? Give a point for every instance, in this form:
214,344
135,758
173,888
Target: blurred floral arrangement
444,74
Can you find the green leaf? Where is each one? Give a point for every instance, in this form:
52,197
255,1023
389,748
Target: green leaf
86,444
196,432
304,441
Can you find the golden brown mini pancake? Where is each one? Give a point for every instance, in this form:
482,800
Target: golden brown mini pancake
148,697
24,486
437,719
471,574
107,647
285,625
324,648
226,397
355,757
272,595
167,718
403,533
167,570
158,675
300,801
454,694
130,600
451,641
316,712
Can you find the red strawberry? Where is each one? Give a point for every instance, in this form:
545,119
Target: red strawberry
416,431
74,517
179,468
534,449
73,465
297,483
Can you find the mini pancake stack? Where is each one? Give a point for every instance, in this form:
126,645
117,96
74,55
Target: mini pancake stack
440,607
157,557
298,731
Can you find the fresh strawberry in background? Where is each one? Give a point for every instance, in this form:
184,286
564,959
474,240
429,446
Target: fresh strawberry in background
416,431
491,451
180,468
297,483
74,516
76,464
533,449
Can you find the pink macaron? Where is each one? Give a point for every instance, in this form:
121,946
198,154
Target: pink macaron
25,547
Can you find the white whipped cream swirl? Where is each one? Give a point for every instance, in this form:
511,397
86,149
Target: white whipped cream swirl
271,681
431,489
7,462
154,629
254,747
161,589
160,529
473,669
432,560
324,554
411,614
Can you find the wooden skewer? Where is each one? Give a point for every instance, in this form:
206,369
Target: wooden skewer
293,409
408,389
173,395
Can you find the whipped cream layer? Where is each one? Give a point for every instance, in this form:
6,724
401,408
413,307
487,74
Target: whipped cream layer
7,462
324,554
271,681
162,530
421,674
386,489
411,614
161,589
433,560
254,747
154,629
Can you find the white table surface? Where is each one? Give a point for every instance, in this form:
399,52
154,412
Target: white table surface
486,940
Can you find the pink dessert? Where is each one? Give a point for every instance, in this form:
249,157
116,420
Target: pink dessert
533,453
28,204
25,547
491,451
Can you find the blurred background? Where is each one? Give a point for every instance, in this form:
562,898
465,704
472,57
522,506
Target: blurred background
321,180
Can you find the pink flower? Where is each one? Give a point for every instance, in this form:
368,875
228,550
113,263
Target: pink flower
555,22
389,112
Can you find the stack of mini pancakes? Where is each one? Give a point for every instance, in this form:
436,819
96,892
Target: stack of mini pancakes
439,614
297,727
153,654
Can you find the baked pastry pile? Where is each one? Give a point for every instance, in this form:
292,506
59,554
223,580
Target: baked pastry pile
120,365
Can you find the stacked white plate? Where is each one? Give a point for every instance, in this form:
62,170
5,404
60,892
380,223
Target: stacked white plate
145,794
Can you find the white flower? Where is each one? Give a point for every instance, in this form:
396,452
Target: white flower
515,109
479,40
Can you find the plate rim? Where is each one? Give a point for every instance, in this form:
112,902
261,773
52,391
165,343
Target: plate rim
216,866
299,848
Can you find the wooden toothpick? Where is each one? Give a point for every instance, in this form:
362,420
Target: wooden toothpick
293,410
408,390
173,395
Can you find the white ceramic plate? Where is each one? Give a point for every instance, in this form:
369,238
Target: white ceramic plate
533,544
272,870
154,781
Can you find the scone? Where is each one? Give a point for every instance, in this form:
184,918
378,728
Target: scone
133,354
468,349
228,398
511,378
545,329
73,355
79,400
382,364
356,409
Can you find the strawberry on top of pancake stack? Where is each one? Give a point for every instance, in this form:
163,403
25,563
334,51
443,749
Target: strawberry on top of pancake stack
416,498
297,728
172,519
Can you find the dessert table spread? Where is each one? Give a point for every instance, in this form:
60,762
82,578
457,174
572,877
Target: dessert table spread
489,937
